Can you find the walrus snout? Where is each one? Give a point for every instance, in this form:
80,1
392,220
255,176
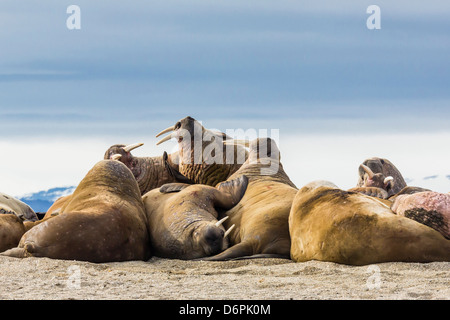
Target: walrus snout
212,239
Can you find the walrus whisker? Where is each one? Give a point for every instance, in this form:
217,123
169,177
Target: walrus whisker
219,223
228,231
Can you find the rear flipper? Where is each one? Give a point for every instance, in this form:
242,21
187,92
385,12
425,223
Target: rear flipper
239,250
264,255
19,252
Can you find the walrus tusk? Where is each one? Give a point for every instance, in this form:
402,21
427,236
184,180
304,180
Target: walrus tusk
244,143
390,178
132,146
367,170
166,130
218,223
228,231
166,138
116,156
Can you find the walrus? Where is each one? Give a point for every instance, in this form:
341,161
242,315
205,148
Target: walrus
104,221
382,174
330,224
11,230
150,172
261,217
429,207
182,218
203,156
16,217
9,204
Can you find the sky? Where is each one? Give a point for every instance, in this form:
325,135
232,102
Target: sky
337,92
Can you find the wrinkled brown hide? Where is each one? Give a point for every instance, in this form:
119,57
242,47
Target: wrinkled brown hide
204,158
149,172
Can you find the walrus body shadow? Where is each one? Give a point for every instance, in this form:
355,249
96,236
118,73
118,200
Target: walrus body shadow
330,224
183,219
261,217
103,221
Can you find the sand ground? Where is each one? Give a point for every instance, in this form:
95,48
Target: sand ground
261,279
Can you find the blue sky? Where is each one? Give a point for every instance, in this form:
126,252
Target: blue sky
298,66
267,62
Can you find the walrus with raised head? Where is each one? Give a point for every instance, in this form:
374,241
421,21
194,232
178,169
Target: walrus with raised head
330,224
203,156
261,217
149,172
103,221
183,219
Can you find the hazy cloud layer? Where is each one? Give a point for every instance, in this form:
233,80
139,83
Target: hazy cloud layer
266,62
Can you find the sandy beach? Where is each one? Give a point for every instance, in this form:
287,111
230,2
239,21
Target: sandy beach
256,279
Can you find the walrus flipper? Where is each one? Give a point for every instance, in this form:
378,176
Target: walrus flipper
16,253
264,255
173,187
243,249
175,173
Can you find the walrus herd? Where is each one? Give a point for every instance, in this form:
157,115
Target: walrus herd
219,199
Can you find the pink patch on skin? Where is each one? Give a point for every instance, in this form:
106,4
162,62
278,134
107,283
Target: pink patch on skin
429,201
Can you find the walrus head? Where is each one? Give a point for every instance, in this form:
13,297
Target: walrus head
188,225
123,154
204,158
378,180
370,170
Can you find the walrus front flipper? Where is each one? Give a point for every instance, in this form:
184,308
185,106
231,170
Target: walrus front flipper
243,249
173,187
174,172
235,189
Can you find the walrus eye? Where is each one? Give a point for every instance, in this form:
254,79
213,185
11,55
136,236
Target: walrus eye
180,138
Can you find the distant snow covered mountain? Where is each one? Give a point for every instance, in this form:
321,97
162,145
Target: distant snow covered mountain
42,200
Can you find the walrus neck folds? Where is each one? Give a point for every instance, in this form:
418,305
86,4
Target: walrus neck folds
150,173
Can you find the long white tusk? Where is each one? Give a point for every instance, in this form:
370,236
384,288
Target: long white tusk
218,223
132,146
228,231
244,143
166,130
116,156
166,138
390,178
367,170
